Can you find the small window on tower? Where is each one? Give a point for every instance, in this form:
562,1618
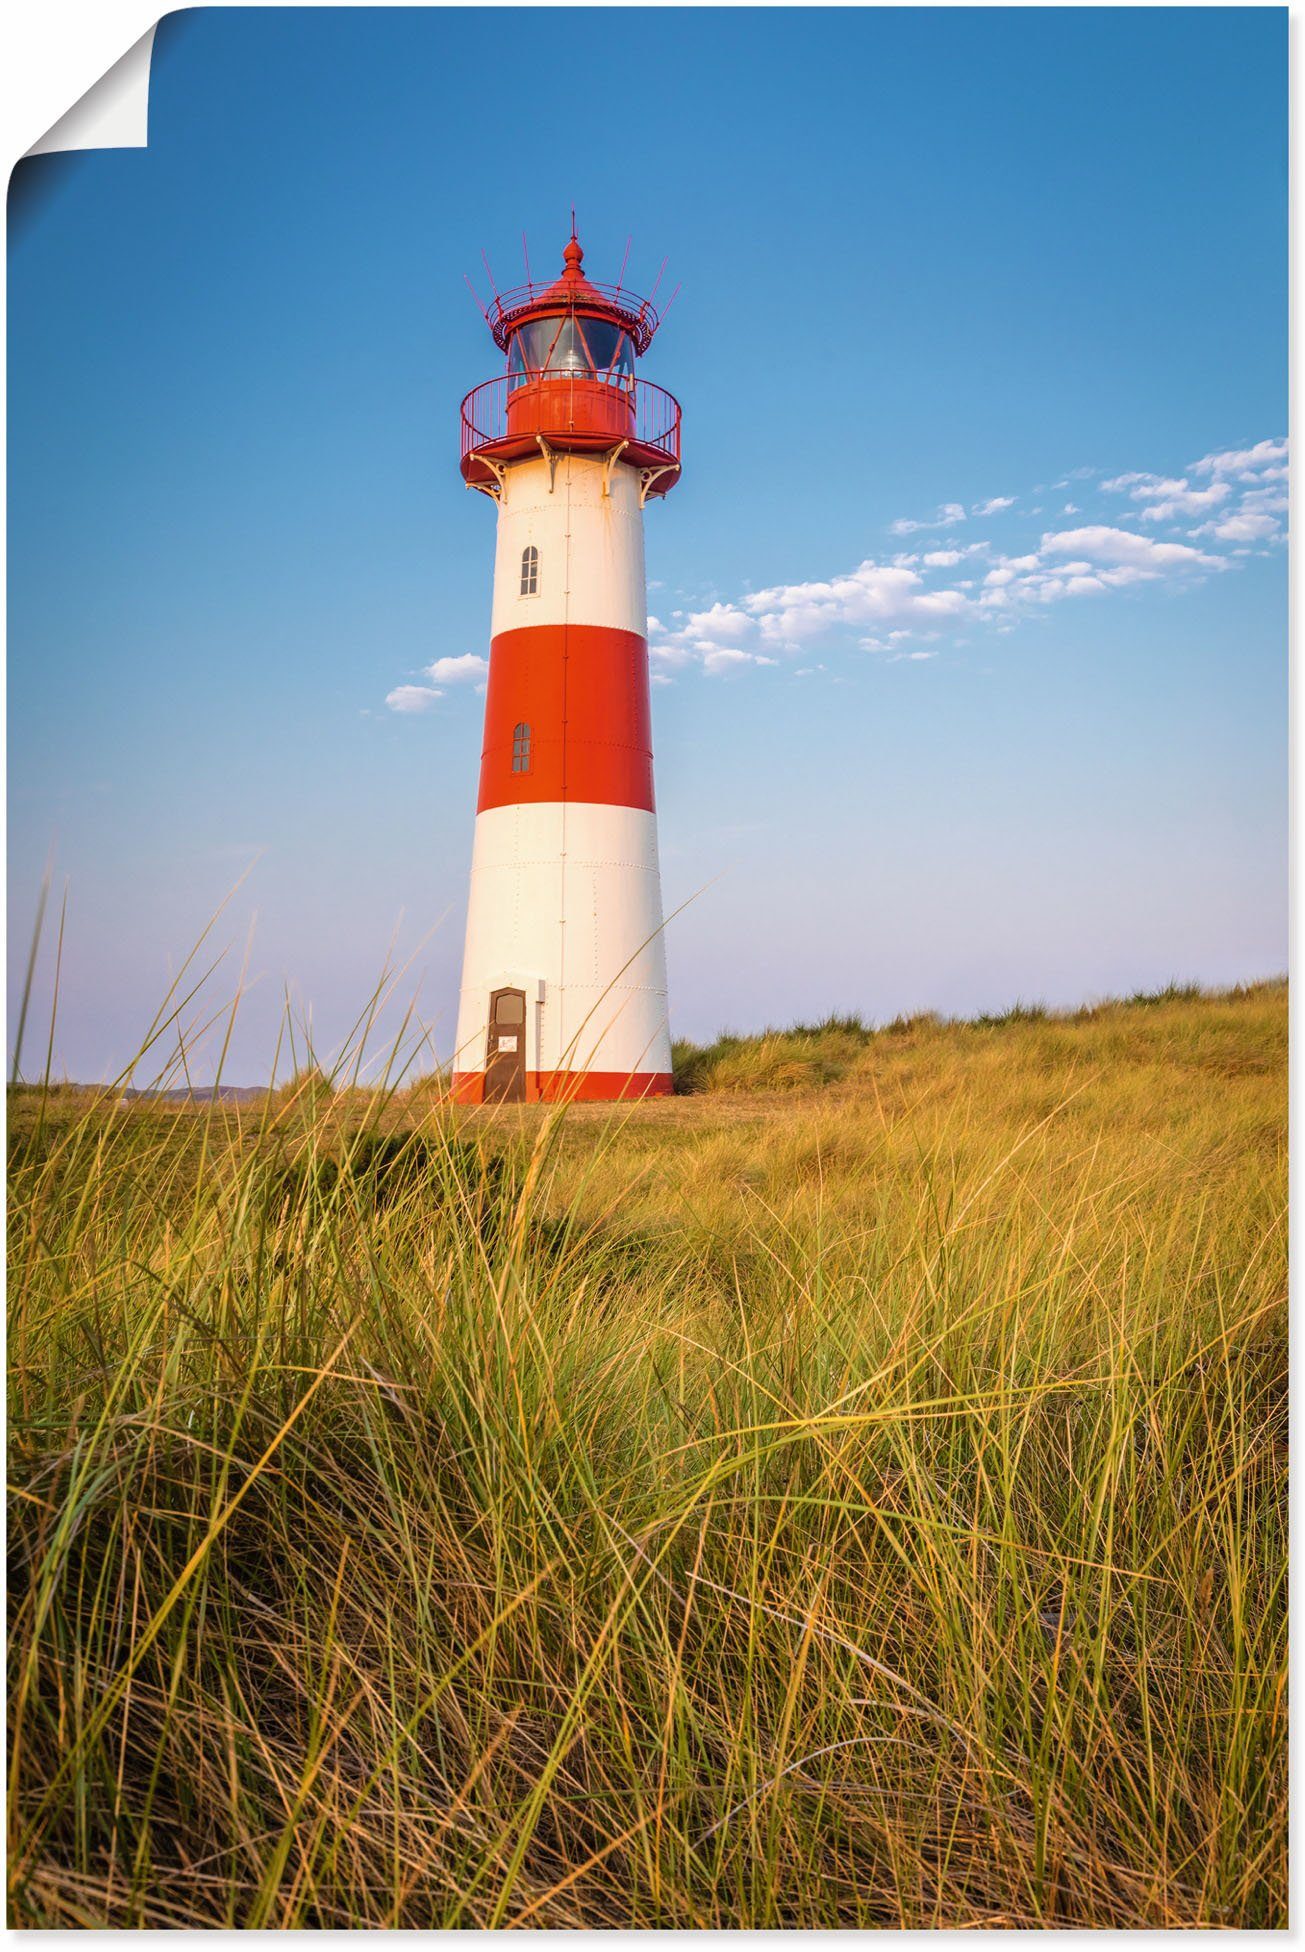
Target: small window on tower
530,570
521,748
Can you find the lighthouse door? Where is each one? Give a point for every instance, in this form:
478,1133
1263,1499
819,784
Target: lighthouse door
505,1054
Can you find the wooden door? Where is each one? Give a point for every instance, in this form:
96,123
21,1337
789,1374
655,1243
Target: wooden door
505,1054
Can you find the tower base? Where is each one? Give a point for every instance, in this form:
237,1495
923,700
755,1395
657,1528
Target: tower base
572,1087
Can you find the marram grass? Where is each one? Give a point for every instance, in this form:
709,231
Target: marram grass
834,1503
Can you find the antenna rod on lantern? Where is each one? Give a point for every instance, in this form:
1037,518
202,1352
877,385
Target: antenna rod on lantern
525,252
476,295
660,275
671,300
624,261
490,275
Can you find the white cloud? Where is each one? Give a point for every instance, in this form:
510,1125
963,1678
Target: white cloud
722,620
465,670
946,558
1246,462
1008,568
719,658
1167,497
1185,501
944,518
1081,585
1156,487
1240,526
670,653
411,698
874,593
1106,545
896,605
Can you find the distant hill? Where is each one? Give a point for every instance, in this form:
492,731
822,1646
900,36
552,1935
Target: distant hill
848,1050
226,1094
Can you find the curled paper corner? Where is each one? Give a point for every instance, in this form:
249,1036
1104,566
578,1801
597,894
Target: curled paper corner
114,113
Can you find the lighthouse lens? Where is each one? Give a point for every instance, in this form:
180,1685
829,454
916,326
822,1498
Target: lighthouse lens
607,346
588,348
568,351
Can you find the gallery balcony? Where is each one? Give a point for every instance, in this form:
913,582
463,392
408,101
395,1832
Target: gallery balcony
513,416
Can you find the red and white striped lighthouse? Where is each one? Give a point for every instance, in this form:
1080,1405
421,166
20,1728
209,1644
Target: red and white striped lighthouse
564,972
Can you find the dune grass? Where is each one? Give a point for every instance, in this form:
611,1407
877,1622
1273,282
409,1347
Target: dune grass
850,1494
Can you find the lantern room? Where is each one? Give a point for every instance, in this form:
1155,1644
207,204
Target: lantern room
570,384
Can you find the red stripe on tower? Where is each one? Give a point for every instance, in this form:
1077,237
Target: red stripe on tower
571,1087
582,693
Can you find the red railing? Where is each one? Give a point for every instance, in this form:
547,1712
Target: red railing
584,415
640,313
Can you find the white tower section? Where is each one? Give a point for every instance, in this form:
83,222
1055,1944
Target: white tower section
566,892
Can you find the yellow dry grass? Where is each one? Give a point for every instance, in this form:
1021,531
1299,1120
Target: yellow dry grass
850,1495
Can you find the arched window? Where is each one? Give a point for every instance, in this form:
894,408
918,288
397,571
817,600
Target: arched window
530,570
521,748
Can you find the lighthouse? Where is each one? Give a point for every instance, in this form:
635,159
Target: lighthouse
564,970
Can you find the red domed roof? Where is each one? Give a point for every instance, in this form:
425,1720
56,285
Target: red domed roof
573,292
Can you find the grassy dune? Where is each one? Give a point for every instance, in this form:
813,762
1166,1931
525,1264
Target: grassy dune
852,1493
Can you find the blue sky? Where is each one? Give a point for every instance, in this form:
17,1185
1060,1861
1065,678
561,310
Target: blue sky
1026,262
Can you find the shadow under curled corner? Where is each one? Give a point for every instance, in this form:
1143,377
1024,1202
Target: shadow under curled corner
112,114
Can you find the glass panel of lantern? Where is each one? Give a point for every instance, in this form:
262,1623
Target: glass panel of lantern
570,345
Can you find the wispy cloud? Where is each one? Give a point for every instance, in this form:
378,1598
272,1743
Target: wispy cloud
944,517
912,599
466,670
947,558
412,698
1240,494
1244,525
1167,499
1266,460
872,593
1124,546
717,659
722,620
